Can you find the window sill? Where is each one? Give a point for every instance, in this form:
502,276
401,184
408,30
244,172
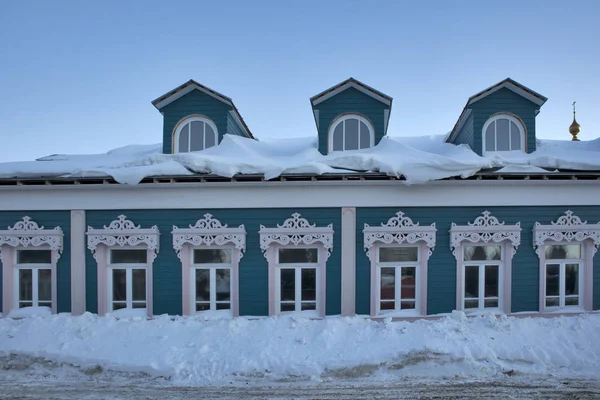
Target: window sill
398,314
26,312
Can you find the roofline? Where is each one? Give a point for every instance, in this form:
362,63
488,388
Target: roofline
332,91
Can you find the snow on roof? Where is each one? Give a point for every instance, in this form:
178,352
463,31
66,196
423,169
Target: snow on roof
417,159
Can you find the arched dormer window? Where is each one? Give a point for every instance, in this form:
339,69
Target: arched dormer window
195,134
351,132
503,132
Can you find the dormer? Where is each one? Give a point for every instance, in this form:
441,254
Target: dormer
350,116
499,120
196,117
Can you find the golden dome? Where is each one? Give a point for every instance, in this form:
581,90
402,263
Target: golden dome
575,128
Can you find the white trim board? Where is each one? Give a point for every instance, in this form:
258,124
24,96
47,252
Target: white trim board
241,195
511,86
350,84
190,88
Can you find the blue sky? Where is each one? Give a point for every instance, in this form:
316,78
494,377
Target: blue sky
78,77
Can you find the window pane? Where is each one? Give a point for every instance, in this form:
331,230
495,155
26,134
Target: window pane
351,134
128,256
471,282
571,279
210,137
309,284
502,135
223,284
308,306
491,281
212,256
202,306
223,306
388,283
202,285
197,136
365,137
515,137
407,288
34,256
490,138
119,288
138,305
288,284
118,306
471,303
407,305
139,284
552,279
482,253
386,305
572,301
44,285
288,307
490,303
25,284
561,252
296,256
394,254
552,302
184,139
338,137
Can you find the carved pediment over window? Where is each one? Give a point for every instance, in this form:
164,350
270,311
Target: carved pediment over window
123,232
209,231
567,228
485,229
399,230
296,231
27,233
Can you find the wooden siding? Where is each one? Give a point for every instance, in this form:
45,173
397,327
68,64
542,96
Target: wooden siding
503,100
49,220
465,134
253,268
233,128
346,102
441,285
195,102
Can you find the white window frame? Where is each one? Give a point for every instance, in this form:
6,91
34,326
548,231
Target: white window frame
26,235
511,118
35,268
296,232
568,229
121,234
486,229
399,230
188,120
128,267
209,233
480,265
343,118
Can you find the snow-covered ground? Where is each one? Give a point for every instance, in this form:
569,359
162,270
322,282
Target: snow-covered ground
194,352
417,159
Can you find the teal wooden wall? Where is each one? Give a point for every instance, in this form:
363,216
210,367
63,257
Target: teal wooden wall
441,287
253,266
465,134
233,128
195,102
503,100
350,101
49,220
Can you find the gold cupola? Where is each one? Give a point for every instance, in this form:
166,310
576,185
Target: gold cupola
575,128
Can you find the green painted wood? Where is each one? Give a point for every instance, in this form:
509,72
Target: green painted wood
233,127
253,267
195,102
350,101
441,287
503,100
465,134
49,220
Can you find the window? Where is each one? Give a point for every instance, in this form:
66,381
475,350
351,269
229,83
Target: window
482,271
399,251
34,278
210,253
125,253
503,133
297,282
351,132
297,253
566,251
29,255
195,134
127,279
484,250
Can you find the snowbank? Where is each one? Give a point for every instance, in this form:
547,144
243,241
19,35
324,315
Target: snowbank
207,352
417,159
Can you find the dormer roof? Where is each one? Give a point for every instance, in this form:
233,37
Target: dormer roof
351,83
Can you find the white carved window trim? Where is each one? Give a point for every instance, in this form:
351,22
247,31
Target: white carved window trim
569,229
296,232
208,232
400,230
121,233
486,229
23,235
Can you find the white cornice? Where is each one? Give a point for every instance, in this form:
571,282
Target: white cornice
27,233
567,228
